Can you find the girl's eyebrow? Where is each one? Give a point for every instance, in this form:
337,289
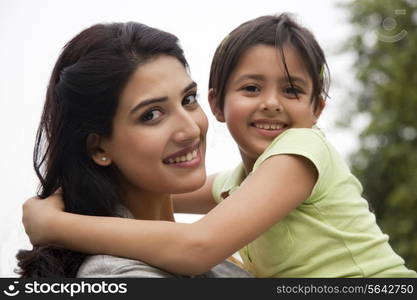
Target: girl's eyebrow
250,76
160,99
295,79
257,77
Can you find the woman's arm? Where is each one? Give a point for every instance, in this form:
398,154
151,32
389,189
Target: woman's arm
200,201
277,187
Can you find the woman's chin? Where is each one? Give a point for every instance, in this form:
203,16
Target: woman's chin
189,185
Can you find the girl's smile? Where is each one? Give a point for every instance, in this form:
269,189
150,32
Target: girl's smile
262,100
269,128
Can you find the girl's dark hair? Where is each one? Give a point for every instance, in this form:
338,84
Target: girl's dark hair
81,99
277,31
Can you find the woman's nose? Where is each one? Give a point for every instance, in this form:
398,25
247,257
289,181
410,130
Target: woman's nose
186,128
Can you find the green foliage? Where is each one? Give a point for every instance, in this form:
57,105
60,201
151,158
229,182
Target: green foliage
386,68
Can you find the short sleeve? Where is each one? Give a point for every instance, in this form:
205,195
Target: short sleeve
218,184
305,142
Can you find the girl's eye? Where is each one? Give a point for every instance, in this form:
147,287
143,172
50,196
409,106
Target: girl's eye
151,115
292,91
189,100
251,89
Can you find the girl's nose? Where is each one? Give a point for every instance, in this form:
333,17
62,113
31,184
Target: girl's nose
271,104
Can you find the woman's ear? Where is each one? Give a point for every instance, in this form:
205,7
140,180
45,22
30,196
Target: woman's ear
215,109
95,151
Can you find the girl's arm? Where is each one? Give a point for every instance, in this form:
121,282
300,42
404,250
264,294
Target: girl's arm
200,201
277,187
35,210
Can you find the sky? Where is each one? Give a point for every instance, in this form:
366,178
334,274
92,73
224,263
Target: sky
32,33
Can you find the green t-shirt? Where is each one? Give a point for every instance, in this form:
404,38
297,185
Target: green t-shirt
331,234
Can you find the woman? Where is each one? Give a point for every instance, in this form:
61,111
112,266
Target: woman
121,130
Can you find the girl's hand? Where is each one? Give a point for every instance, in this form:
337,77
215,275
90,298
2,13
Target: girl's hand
38,216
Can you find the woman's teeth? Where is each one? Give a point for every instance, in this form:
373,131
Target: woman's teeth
186,157
269,126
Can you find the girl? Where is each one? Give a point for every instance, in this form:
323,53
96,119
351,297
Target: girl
292,207
120,112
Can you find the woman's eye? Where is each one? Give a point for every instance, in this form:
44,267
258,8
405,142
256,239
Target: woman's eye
151,115
251,89
189,100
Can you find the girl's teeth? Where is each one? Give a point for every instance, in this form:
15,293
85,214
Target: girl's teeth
269,126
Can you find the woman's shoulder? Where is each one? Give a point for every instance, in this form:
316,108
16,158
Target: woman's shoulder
112,266
100,266
227,269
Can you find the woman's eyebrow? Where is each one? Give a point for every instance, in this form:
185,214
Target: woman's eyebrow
148,102
160,99
189,87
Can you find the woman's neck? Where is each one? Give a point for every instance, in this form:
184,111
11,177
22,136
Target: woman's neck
148,205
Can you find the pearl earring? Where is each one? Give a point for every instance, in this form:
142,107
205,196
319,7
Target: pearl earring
103,158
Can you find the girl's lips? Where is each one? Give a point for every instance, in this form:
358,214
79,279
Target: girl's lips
268,132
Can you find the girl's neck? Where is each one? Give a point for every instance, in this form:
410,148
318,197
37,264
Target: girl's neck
147,205
248,162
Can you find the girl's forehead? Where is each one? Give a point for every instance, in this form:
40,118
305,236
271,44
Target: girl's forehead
268,60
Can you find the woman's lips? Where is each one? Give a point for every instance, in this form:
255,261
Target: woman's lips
185,158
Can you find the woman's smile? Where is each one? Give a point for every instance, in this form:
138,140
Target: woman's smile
186,158
159,130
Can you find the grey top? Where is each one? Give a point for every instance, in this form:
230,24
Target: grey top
112,266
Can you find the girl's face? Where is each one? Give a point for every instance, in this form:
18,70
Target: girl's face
260,103
159,130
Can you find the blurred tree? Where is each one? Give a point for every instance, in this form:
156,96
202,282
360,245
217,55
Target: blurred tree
385,43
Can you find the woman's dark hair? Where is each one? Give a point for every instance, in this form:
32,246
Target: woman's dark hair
82,99
277,31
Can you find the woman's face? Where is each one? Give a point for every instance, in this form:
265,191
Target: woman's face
159,130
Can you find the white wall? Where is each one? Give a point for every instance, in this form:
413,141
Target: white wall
33,32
